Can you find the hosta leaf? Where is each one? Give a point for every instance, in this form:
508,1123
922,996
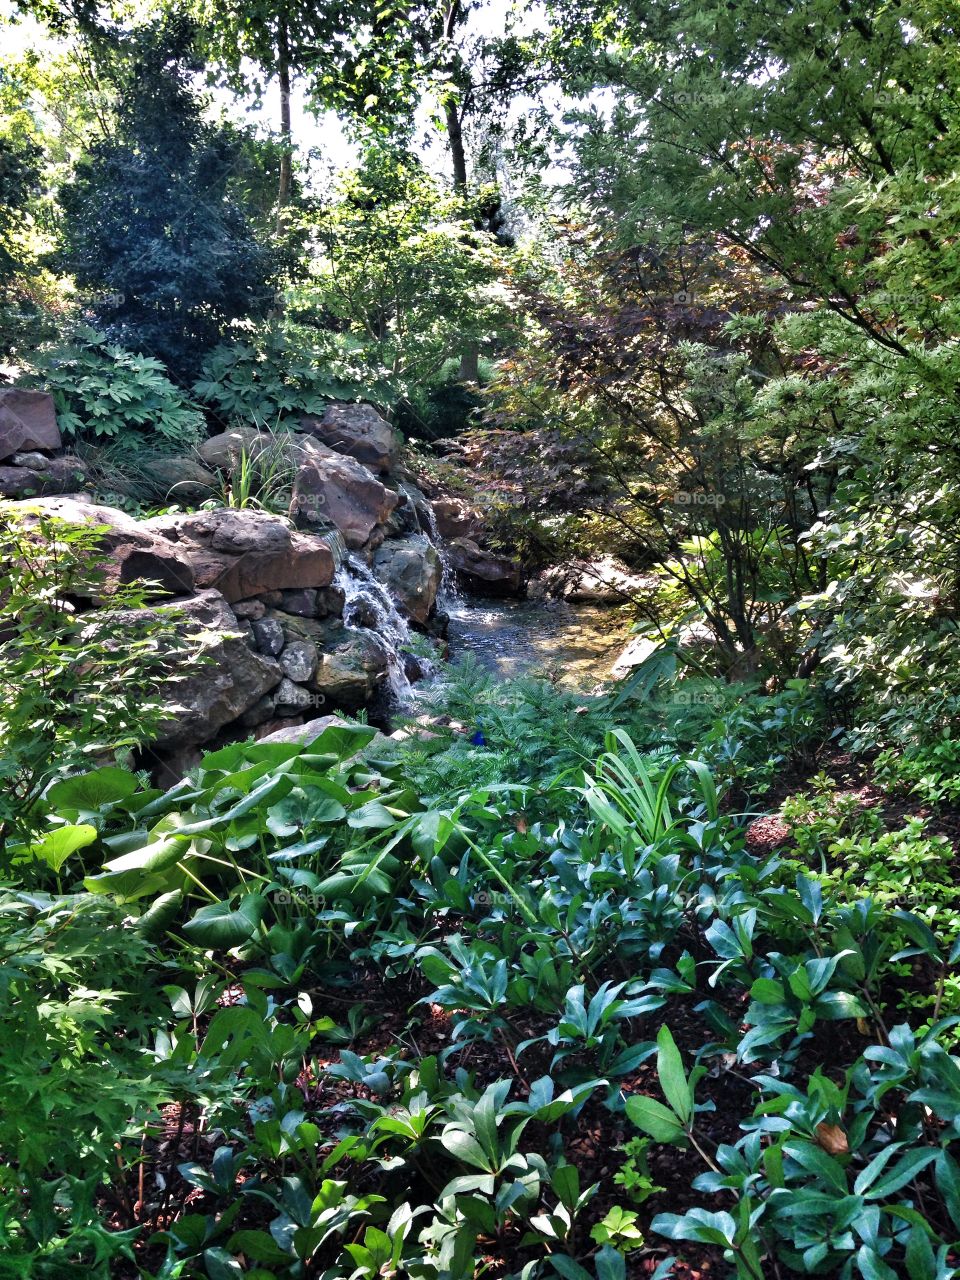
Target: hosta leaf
222,927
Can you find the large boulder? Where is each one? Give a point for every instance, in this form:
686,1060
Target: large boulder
410,568
245,553
331,490
601,581
456,518
223,452
28,420
180,479
357,430
133,551
483,572
229,680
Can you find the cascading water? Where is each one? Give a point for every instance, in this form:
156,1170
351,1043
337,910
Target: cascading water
448,593
368,606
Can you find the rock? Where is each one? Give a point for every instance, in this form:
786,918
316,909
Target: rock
268,634
180,479
261,711
352,665
290,698
54,476
28,420
223,452
636,652
332,490
36,461
330,602
601,581
456,518
302,602
483,572
246,630
299,660
357,430
410,568
312,729
134,551
230,681
66,474
250,609
245,553
20,482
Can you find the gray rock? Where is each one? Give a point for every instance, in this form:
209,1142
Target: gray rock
291,698
180,479
223,452
268,634
28,420
261,711
250,609
410,568
37,461
299,660
330,602
303,602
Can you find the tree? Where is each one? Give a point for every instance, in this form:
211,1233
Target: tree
406,272
152,225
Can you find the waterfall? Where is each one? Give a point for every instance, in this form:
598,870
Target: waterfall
448,596
368,606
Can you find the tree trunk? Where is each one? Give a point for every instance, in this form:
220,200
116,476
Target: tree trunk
457,153
286,129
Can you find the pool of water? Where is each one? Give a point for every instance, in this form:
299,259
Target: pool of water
577,644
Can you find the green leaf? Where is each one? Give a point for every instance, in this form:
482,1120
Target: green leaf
92,791
656,1119
221,927
673,1079
56,846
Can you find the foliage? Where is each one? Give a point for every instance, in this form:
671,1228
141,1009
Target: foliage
405,270
76,686
283,371
103,393
153,232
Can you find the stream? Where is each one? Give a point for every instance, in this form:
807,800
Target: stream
578,643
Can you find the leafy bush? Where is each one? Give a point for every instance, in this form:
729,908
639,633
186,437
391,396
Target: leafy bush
283,371
103,393
76,687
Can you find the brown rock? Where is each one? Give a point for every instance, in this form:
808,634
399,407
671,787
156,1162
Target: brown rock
331,490
244,553
484,572
135,552
357,430
456,518
28,420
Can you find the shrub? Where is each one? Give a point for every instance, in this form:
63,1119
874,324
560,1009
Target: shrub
76,688
104,393
282,371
